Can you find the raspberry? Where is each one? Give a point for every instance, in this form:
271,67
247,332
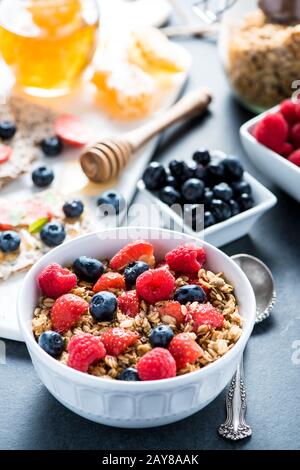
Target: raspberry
129,303
172,309
186,258
155,285
156,364
286,149
66,311
55,281
205,314
185,350
295,135
272,131
116,340
138,250
84,349
289,111
295,157
109,281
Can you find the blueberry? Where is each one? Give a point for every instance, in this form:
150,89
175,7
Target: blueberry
112,198
161,336
52,343
42,176
198,171
222,191
192,190
170,196
181,170
89,269
53,234
207,197
245,202
104,306
176,169
154,176
73,209
9,241
215,172
190,293
209,219
133,271
7,129
129,375
220,210
240,187
171,181
234,207
52,146
202,156
233,169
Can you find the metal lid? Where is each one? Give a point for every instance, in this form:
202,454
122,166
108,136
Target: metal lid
283,11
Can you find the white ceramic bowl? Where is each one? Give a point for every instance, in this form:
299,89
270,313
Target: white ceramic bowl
231,229
133,404
278,169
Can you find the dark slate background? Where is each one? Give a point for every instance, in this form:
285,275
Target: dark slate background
30,418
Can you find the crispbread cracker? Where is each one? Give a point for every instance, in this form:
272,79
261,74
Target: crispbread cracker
34,122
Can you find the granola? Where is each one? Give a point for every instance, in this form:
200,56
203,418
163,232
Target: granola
213,341
263,59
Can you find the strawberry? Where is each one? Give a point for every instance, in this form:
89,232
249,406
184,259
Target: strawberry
170,308
138,250
5,153
129,303
185,350
186,258
155,285
71,130
156,364
117,340
109,281
66,311
84,349
205,314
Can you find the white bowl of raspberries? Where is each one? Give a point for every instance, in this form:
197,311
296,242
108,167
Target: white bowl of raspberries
136,327
272,141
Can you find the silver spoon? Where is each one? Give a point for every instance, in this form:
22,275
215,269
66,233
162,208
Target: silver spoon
261,279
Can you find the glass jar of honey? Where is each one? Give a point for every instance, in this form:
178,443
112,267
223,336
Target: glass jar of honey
48,43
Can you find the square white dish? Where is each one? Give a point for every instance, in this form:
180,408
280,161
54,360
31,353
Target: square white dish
229,230
277,168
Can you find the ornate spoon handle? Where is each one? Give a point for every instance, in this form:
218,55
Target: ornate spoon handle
235,426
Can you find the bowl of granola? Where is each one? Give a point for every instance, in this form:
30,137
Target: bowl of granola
136,327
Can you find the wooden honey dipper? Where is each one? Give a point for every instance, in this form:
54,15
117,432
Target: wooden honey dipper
105,159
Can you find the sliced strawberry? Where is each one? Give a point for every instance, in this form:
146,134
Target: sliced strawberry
5,153
129,303
36,210
170,308
138,250
117,340
71,130
109,281
205,314
185,350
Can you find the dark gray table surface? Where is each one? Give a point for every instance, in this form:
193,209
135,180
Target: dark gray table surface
30,418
